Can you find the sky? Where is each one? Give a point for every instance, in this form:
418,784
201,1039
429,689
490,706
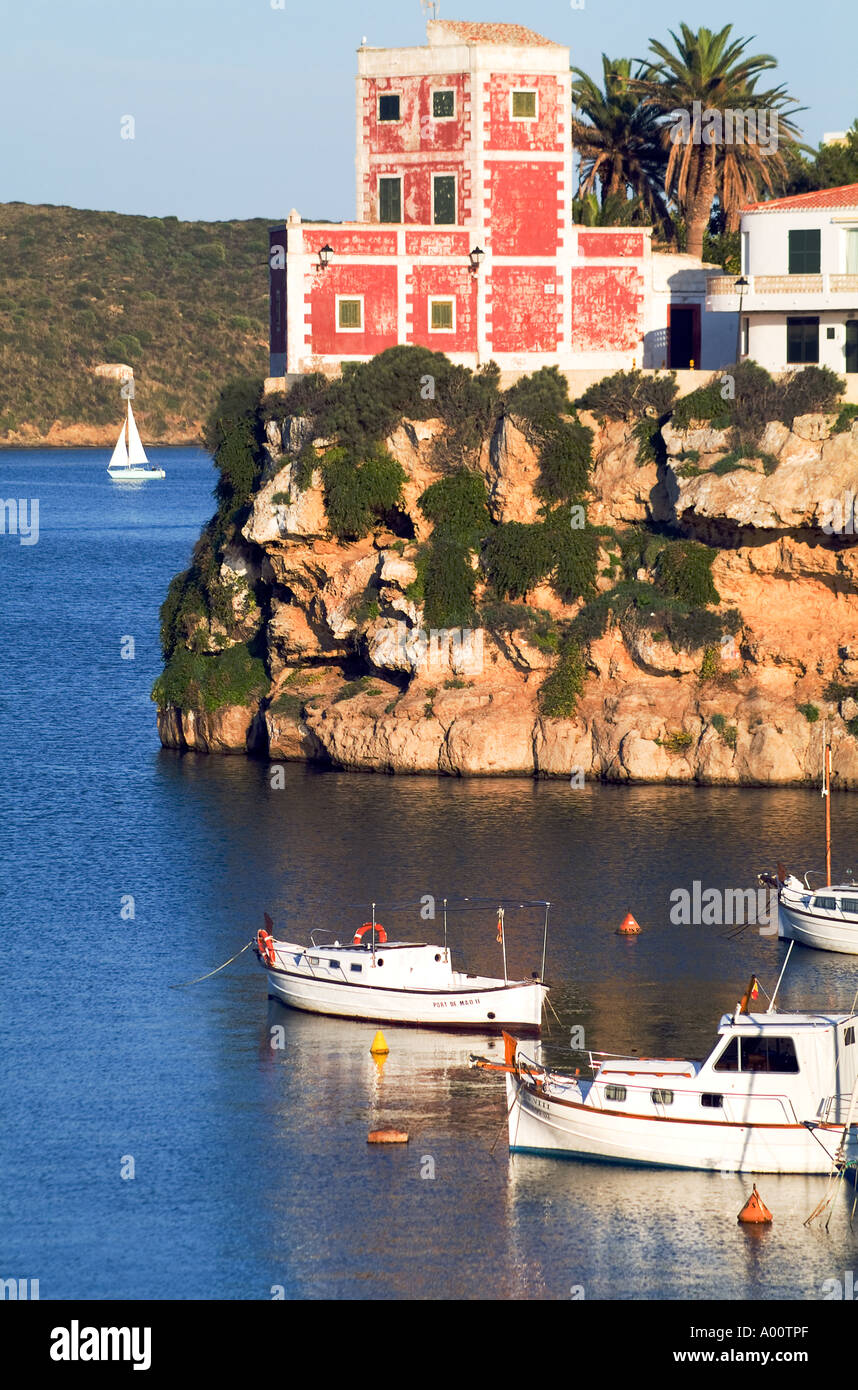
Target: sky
245,108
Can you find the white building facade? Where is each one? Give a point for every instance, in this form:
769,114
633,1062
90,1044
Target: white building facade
797,295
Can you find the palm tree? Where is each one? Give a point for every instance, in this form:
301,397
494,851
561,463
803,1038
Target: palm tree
620,142
710,72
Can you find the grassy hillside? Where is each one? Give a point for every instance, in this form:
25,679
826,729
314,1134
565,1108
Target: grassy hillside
184,303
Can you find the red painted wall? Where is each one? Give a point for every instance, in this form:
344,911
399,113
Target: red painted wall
416,189
524,208
377,283
524,317
417,129
450,280
610,244
440,243
352,241
503,133
607,308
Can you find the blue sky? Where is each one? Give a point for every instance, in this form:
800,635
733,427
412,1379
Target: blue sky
245,108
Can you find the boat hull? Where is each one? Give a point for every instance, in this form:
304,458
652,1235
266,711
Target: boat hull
135,475
541,1124
477,1011
821,933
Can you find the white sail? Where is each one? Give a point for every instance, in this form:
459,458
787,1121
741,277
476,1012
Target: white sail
119,457
136,452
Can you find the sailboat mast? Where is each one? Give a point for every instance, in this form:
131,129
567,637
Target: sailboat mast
826,792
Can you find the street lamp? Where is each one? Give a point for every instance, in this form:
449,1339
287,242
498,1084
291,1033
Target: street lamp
325,254
741,285
476,258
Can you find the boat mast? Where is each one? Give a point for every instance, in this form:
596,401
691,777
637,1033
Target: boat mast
502,940
445,926
826,792
544,940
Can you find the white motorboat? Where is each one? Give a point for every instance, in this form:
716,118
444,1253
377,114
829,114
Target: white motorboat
826,917
775,1095
384,981
129,462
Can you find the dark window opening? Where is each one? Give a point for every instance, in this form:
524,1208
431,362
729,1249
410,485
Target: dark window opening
805,253
390,200
852,345
444,199
443,104
729,1059
388,107
849,1037
802,340
710,1101
615,1093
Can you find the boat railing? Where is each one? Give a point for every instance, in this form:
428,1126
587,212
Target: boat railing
834,1110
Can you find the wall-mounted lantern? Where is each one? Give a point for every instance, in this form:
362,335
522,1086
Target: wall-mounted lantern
325,254
476,258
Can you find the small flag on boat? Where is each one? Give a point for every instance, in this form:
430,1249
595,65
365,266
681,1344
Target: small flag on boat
500,926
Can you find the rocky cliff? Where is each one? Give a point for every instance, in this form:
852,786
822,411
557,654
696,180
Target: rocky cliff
728,687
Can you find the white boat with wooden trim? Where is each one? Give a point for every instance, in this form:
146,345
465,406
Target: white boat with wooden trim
825,918
775,1095
129,462
384,981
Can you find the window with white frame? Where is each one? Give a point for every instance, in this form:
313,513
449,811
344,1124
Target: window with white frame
523,104
388,106
442,314
443,104
443,199
390,198
350,313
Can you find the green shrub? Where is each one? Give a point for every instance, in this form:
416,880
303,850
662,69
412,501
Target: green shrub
538,398
449,584
630,395
191,680
559,694
457,504
281,499
837,691
232,435
808,390
565,458
711,664
845,420
516,556
730,735
290,705
677,741
357,495
706,403
810,712
684,570
852,726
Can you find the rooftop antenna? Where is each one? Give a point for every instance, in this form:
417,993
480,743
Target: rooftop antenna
430,7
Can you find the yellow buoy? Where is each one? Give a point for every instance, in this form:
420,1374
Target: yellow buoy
379,1045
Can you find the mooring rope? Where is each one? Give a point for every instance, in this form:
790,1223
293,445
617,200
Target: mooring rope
184,983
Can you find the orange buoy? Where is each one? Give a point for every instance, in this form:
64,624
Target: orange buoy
387,1136
628,926
755,1211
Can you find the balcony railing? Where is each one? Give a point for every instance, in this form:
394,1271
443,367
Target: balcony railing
783,284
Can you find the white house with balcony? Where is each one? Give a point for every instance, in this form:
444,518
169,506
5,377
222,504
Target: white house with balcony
797,295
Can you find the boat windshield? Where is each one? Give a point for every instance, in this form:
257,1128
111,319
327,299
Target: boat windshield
760,1054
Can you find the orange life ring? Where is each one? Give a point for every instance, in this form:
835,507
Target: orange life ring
369,926
265,947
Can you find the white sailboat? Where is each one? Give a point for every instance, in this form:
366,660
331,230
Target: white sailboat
128,462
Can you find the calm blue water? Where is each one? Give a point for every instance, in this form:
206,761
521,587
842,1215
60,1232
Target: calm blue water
251,1169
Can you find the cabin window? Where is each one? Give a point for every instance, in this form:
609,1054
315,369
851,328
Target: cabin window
442,315
314,960
710,1101
443,199
729,1059
769,1054
388,107
849,1037
615,1093
444,104
349,315
524,106
805,251
390,200
356,969
826,904
849,905
333,965
662,1097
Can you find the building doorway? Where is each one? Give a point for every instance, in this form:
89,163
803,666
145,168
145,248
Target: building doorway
852,345
683,336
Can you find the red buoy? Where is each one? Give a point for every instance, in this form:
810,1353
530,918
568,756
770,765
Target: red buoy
755,1211
628,926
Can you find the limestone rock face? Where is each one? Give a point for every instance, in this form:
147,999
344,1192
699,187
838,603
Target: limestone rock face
510,464
360,683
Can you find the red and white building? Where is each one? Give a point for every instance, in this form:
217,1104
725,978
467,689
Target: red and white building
464,240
